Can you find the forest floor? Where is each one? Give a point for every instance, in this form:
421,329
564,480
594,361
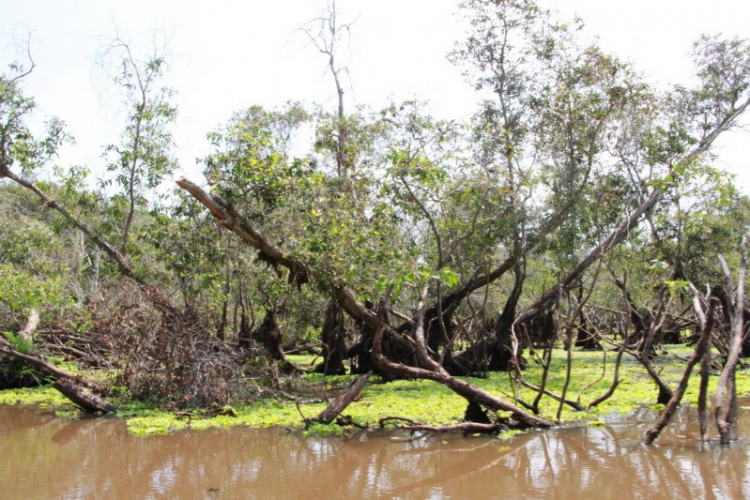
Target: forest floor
419,400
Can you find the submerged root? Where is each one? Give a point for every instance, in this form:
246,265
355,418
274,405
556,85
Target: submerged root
465,427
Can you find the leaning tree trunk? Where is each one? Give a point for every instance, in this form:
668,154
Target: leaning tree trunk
471,393
12,375
84,399
698,354
77,389
343,400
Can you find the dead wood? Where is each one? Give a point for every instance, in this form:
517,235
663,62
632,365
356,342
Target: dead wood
615,380
703,395
342,401
573,404
309,348
460,387
77,389
465,427
48,368
84,399
725,400
31,325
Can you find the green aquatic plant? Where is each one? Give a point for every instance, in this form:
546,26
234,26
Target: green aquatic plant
322,430
46,397
419,400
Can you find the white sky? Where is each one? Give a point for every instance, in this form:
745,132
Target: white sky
229,54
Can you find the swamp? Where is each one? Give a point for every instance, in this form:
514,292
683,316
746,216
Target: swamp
548,296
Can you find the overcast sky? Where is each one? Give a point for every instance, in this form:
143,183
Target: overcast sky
228,54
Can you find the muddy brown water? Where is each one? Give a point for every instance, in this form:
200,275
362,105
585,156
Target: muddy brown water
44,457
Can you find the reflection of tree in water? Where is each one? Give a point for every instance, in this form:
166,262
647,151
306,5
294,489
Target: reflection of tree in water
97,458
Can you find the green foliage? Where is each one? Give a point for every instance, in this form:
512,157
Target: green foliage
20,343
19,145
144,157
567,141
676,286
21,290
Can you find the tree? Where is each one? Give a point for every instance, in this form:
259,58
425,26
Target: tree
441,248
144,156
327,34
567,123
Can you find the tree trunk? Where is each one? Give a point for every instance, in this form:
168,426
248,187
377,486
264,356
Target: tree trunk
119,258
725,401
698,354
497,352
585,338
470,392
393,346
244,337
82,398
333,336
268,335
70,385
32,323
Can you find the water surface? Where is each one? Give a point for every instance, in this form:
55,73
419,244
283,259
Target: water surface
43,457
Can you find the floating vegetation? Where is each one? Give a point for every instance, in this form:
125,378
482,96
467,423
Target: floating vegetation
418,400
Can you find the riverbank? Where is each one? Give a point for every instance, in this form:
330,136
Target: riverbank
419,400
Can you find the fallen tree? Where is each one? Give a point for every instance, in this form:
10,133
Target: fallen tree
80,391
300,272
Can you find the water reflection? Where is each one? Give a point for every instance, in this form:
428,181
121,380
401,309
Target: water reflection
43,457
